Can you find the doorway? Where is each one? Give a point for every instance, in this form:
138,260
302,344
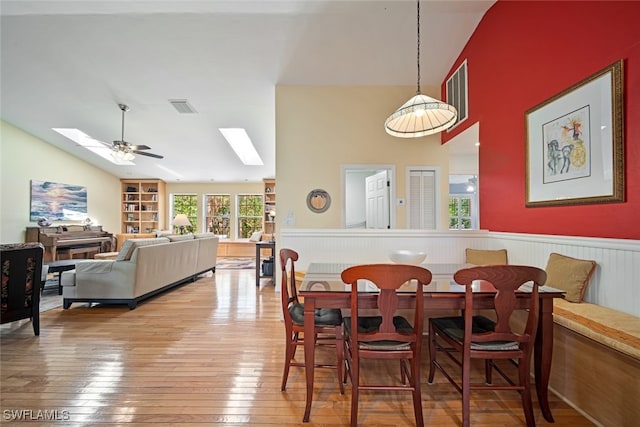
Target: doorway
367,191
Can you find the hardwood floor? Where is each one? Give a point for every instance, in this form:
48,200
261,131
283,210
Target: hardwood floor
207,353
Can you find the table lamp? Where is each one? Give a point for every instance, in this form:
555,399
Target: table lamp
182,221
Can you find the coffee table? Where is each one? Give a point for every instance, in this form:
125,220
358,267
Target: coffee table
58,267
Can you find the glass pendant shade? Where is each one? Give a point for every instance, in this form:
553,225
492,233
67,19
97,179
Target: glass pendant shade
420,116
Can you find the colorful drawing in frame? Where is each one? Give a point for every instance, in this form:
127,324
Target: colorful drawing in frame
58,202
575,143
567,148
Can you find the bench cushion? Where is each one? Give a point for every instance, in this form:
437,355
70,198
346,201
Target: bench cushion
569,274
613,328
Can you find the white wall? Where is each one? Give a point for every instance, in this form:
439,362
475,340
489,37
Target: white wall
24,157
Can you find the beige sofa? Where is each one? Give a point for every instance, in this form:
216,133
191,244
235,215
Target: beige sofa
143,268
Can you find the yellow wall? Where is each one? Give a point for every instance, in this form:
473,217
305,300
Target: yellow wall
24,157
213,188
319,129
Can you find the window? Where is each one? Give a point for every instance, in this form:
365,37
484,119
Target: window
457,92
460,213
463,202
422,199
186,204
249,214
217,214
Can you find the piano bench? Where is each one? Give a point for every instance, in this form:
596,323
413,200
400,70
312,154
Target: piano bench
86,251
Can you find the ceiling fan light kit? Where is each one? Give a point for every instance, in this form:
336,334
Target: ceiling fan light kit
122,150
421,115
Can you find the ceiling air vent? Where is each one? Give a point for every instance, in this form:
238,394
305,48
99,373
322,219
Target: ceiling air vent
182,106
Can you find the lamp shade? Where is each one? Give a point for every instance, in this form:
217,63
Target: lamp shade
420,116
181,220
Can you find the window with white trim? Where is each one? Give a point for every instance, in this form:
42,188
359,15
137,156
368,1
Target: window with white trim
217,208
250,214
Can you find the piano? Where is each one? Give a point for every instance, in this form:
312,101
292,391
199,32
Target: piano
62,237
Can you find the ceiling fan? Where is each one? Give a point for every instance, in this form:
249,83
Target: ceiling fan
123,150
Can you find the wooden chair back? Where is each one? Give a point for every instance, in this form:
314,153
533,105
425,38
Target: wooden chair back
288,293
507,279
387,278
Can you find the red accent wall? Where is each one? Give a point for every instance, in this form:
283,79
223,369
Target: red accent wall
523,53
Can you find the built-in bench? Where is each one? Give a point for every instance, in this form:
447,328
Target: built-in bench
596,362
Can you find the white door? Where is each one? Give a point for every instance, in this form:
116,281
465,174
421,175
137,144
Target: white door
377,194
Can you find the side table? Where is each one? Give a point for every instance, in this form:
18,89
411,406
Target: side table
58,267
267,244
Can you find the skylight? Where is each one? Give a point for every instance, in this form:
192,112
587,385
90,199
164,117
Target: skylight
242,145
91,144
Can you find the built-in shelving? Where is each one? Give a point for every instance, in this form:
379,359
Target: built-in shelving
269,206
143,205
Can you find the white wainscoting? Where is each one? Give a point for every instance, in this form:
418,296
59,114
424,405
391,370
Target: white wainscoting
616,280
615,284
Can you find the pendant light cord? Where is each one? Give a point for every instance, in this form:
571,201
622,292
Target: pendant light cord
418,56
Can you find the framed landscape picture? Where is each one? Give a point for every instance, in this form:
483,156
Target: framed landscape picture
574,143
58,202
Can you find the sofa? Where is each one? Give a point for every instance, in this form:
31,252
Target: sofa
142,268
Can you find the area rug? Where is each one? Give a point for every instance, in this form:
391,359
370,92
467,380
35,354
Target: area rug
235,263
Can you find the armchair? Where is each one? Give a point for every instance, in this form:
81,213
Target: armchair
21,281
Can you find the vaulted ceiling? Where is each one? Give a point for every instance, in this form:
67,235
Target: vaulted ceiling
69,64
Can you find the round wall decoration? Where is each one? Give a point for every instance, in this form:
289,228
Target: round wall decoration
318,201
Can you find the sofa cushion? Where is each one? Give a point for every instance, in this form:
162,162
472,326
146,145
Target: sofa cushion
204,235
130,245
486,256
180,237
569,274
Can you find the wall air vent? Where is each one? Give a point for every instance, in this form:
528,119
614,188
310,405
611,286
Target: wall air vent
182,106
457,90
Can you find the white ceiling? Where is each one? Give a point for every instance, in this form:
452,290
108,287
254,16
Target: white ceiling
69,63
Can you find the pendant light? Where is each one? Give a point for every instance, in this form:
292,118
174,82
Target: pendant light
421,115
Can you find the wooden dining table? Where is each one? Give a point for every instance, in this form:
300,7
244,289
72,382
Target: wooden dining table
322,287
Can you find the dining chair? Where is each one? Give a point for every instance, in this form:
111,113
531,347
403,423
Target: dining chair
489,337
328,322
388,335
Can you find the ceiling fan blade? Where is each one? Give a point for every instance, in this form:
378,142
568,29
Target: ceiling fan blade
139,147
142,153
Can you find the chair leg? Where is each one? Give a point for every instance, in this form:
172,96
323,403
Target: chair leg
290,350
432,353
417,392
355,384
340,358
488,371
525,381
466,391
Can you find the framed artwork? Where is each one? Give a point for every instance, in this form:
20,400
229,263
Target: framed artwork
57,202
574,144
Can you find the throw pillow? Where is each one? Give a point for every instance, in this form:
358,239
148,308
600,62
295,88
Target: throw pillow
180,237
486,256
569,274
256,236
130,245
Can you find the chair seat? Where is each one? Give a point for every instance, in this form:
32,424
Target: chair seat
369,324
323,316
453,327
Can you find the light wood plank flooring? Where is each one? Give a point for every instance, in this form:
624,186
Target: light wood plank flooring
206,353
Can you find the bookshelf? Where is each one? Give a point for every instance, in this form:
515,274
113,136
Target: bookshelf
269,206
143,205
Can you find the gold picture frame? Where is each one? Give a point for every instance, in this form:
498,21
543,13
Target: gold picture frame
575,143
